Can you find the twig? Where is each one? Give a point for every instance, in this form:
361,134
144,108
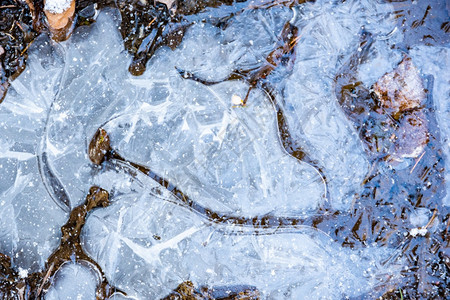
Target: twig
410,172
26,48
294,42
45,279
20,26
432,218
8,35
7,6
12,26
151,22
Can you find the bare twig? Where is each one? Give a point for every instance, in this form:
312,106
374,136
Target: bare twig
151,22
47,275
417,162
26,48
432,218
8,35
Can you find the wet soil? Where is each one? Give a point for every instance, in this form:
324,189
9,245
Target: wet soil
16,34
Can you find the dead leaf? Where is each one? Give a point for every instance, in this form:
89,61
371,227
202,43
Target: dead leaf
401,89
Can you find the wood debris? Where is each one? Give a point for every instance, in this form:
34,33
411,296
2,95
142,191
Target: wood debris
60,24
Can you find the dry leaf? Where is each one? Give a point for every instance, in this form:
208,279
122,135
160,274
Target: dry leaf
402,89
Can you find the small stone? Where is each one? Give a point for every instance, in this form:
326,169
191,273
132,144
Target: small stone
236,100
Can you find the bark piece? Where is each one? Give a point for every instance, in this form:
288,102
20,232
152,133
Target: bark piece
60,20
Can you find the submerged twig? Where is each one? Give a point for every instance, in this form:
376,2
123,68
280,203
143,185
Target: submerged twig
417,162
100,150
44,280
432,218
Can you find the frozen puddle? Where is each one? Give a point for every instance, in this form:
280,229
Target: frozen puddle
228,159
146,243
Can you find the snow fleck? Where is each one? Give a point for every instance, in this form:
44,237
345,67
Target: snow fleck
57,6
23,273
418,231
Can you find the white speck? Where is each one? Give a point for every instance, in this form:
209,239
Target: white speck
418,231
23,273
185,126
57,6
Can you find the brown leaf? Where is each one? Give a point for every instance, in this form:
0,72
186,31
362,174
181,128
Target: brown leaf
402,89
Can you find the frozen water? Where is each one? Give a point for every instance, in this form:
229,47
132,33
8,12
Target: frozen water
329,34
92,89
147,243
228,159
434,61
73,281
29,219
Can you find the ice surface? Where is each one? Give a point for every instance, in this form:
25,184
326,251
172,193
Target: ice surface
226,158
147,244
434,61
92,89
329,34
29,219
73,281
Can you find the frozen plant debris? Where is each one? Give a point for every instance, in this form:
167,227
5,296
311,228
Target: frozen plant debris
401,93
402,89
